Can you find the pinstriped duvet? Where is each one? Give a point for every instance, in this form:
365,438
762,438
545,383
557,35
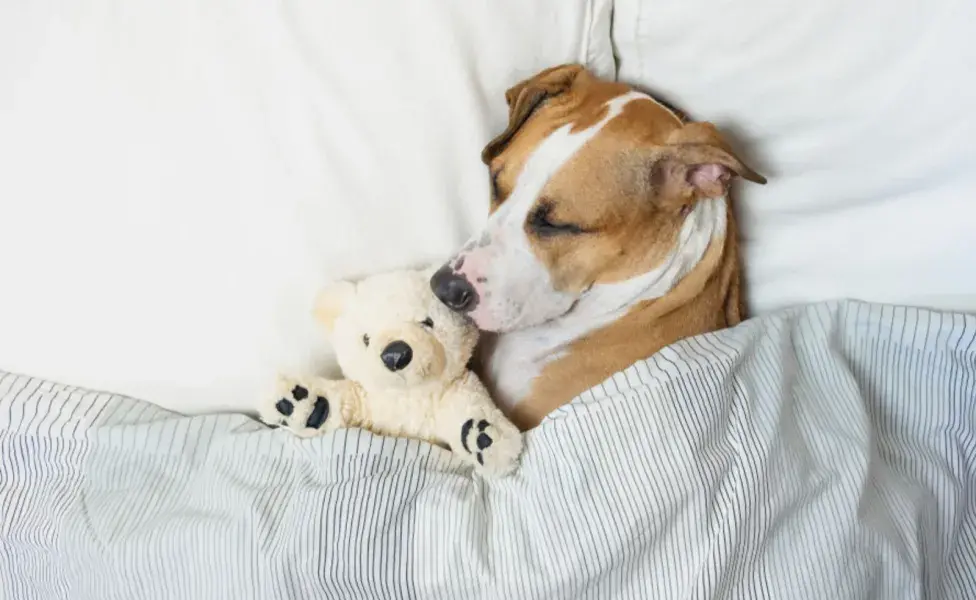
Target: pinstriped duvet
827,452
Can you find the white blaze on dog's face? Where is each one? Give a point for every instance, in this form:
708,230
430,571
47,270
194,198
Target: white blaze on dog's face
591,184
389,330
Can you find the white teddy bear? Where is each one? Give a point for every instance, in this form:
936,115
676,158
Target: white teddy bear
405,357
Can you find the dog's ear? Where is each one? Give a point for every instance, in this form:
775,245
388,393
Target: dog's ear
698,163
526,96
331,301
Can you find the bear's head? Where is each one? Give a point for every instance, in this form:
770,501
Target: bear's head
389,330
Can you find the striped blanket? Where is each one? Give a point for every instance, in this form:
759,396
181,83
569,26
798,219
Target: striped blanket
827,452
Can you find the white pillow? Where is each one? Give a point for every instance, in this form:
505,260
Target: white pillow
862,116
178,178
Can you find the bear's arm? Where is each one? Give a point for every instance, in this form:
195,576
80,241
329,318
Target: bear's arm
476,430
347,400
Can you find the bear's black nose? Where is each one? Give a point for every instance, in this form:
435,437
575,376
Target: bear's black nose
454,290
397,356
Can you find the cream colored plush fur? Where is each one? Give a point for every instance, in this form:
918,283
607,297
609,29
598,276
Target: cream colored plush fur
433,397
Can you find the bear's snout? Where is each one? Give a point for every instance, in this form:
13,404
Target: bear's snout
397,355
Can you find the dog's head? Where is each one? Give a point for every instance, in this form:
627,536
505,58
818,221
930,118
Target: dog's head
591,183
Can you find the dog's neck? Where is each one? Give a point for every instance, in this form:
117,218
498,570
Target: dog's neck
513,360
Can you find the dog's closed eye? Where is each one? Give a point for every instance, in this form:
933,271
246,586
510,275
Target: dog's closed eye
540,223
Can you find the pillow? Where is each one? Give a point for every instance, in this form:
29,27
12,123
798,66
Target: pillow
179,178
861,115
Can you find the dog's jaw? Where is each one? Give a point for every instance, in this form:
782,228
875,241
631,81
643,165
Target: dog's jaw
516,358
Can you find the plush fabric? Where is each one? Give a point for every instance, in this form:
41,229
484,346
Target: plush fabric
404,358
178,178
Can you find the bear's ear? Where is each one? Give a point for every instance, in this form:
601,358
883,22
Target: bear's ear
331,301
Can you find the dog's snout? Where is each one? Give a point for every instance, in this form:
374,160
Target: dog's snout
454,290
397,355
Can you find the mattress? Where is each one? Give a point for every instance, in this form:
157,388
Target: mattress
820,452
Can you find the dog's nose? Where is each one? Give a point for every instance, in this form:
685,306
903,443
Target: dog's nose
397,356
454,290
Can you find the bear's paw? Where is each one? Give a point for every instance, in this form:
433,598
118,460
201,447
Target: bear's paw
495,447
301,407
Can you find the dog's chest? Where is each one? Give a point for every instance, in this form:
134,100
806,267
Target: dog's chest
513,361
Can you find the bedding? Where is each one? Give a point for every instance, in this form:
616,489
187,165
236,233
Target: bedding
857,114
178,178
827,451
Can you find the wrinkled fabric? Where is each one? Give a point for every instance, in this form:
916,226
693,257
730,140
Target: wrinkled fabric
823,452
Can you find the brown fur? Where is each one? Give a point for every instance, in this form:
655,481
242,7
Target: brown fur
707,299
628,189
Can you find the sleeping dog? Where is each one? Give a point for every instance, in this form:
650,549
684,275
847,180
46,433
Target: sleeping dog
611,235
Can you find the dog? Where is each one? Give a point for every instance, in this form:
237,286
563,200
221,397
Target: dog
611,234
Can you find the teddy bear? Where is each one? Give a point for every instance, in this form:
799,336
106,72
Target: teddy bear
404,356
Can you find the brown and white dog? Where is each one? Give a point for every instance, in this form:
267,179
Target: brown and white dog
611,235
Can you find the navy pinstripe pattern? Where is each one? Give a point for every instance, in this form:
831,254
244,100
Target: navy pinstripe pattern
827,452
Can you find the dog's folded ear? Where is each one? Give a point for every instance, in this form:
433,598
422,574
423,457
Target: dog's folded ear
697,162
331,301
524,97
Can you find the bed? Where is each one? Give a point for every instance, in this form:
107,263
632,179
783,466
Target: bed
177,179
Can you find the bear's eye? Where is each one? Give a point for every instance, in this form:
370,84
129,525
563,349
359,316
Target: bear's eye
365,340
428,322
